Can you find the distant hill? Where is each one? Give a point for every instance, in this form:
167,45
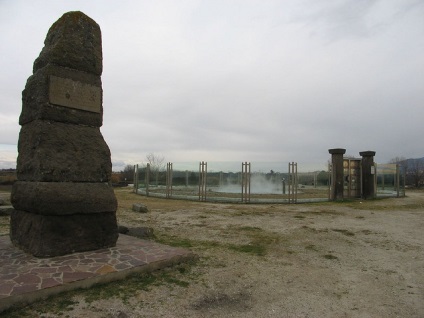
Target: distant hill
413,162
414,171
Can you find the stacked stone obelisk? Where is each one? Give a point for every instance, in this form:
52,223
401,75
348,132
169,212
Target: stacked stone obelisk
62,200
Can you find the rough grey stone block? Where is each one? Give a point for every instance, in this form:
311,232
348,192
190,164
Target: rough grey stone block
51,151
80,37
52,235
36,103
63,198
6,209
139,207
141,232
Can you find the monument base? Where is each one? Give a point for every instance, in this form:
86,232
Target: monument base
52,235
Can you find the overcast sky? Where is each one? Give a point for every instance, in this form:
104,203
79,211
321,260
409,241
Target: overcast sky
260,80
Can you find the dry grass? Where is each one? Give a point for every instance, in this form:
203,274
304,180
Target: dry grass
254,259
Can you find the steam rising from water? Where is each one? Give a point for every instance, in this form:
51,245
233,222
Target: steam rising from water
258,184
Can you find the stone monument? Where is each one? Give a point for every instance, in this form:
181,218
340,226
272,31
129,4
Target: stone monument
62,200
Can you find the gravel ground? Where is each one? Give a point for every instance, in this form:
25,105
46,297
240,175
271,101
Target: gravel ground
351,259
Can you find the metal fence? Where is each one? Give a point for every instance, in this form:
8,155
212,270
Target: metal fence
254,182
390,180
233,182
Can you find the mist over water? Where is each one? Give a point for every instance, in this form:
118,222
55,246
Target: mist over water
258,184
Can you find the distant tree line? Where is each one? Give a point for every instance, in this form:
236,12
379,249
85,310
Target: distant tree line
414,170
7,176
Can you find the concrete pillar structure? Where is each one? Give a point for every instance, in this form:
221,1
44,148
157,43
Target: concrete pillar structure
368,174
337,173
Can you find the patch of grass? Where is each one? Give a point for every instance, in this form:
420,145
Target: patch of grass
252,248
201,225
260,240
132,285
299,216
186,243
326,212
255,249
175,241
344,232
314,230
56,305
4,225
123,289
311,247
330,256
250,228
170,279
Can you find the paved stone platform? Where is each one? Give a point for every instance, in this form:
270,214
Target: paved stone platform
24,278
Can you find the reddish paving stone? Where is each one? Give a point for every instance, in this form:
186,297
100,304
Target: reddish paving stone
21,273
26,288
100,258
6,288
28,279
122,266
94,267
8,276
64,269
125,258
136,262
85,268
43,270
58,275
49,282
105,269
71,262
85,261
72,277
114,261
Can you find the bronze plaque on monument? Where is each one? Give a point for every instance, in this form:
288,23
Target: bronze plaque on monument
69,93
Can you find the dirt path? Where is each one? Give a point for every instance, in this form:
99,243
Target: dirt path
308,260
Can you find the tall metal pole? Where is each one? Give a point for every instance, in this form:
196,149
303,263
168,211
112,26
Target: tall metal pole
203,168
397,180
200,179
289,181
296,184
147,181
248,176
169,180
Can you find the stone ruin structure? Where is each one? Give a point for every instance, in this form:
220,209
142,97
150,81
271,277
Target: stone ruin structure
62,200
364,174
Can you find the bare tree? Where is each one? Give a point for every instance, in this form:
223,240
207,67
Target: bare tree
416,171
128,173
398,160
157,164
